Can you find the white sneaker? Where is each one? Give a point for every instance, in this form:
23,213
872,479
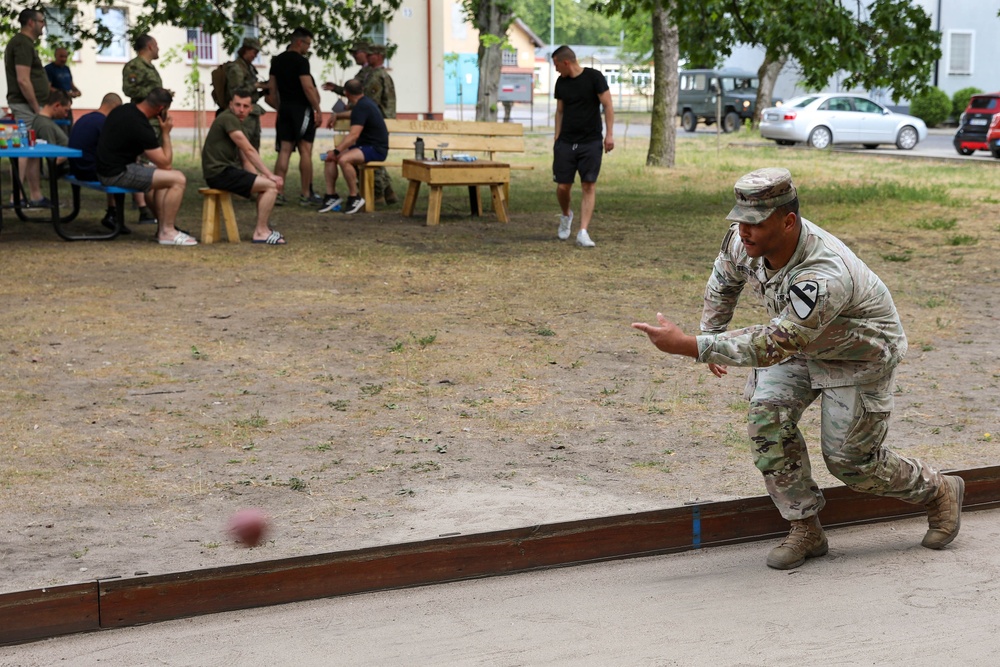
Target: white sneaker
583,239
565,224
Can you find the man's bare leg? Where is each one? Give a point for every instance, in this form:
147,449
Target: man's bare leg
284,157
305,167
587,202
167,195
266,191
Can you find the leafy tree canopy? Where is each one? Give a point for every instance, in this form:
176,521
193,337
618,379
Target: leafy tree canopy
574,24
334,23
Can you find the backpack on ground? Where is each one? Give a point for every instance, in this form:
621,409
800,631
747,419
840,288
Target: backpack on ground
219,85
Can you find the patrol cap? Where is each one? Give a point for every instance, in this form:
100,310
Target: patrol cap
377,49
759,193
360,45
251,43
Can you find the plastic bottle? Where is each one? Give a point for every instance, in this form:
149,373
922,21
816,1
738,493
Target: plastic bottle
419,148
22,131
3,138
15,139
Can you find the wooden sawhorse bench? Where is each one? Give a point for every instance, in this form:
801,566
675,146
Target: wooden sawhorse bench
496,175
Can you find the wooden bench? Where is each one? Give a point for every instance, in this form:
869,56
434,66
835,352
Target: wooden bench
480,139
116,192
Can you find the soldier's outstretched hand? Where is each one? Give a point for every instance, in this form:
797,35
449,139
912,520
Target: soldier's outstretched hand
668,337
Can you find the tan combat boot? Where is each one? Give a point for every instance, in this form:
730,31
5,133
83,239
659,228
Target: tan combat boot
805,540
944,512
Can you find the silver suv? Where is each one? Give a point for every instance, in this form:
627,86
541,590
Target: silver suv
699,92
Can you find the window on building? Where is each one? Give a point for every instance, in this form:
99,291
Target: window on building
960,51
57,23
204,46
459,30
114,19
509,58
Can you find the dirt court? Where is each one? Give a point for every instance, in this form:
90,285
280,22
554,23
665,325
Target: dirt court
377,381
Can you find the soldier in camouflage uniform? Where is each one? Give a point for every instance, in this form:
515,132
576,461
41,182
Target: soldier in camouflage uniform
139,78
242,75
833,334
359,50
379,87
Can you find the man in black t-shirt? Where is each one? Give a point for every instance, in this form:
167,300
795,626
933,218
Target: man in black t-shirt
580,93
125,136
367,141
292,91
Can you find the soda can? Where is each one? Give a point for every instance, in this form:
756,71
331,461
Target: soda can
31,138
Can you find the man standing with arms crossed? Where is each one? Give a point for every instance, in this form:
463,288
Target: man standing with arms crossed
27,90
231,163
834,335
292,91
580,92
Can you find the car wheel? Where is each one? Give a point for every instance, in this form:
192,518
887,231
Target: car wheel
821,137
907,138
871,146
968,151
731,122
689,121
995,152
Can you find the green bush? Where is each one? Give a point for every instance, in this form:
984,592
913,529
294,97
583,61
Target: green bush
960,100
932,106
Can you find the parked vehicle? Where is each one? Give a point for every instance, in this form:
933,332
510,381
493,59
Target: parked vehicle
698,93
974,123
993,136
824,119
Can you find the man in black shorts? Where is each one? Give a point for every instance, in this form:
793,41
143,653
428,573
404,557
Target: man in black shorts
367,141
125,136
580,92
292,91
231,163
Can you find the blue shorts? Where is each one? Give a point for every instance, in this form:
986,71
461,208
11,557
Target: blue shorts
371,153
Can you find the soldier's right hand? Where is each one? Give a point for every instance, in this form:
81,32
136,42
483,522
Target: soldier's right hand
718,370
328,86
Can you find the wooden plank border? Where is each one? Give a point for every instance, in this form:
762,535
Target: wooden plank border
132,601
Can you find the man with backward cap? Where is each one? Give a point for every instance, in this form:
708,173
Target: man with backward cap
834,334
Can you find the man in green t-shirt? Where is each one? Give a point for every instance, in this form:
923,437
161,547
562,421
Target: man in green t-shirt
56,107
230,162
27,88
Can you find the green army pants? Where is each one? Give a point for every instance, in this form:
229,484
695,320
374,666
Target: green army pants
854,424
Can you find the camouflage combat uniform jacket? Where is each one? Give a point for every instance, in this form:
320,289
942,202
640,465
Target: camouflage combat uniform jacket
827,307
139,78
380,88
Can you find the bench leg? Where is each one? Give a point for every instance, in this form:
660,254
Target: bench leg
434,205
411,198
209,220
229,216
368,190
499,203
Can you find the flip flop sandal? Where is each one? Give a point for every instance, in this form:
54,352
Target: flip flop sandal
274,238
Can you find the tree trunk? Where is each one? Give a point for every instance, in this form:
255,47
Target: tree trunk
492,20
768,75
666,52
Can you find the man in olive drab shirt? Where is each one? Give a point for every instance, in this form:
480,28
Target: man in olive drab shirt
833,334
242,75
27,89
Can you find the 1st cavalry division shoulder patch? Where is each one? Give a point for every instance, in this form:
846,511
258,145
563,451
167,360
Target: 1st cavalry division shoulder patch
803,296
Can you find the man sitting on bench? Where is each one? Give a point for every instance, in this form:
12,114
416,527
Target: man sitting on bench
56,107
367,141
127,134
231,163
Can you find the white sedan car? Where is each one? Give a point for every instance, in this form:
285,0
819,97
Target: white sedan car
824,119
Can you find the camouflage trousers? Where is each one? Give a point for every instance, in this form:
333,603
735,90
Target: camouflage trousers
383,182
854,424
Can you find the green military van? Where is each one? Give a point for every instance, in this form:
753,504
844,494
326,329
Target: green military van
698,93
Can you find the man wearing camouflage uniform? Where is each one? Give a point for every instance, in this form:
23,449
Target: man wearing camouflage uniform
139,78
359,50
242,75
834,333
380,88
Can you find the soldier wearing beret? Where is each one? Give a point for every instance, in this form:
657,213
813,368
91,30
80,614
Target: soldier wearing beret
833,333
242,75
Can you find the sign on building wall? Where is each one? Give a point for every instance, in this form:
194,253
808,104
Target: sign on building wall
515,87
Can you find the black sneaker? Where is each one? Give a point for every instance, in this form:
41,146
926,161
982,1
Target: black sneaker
331,203
146,216
353,205
109,222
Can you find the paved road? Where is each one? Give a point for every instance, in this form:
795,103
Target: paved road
878,598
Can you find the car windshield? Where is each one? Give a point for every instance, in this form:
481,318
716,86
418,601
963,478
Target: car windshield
983,103
801,101
730,83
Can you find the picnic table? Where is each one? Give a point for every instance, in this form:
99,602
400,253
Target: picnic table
46,152
440,173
